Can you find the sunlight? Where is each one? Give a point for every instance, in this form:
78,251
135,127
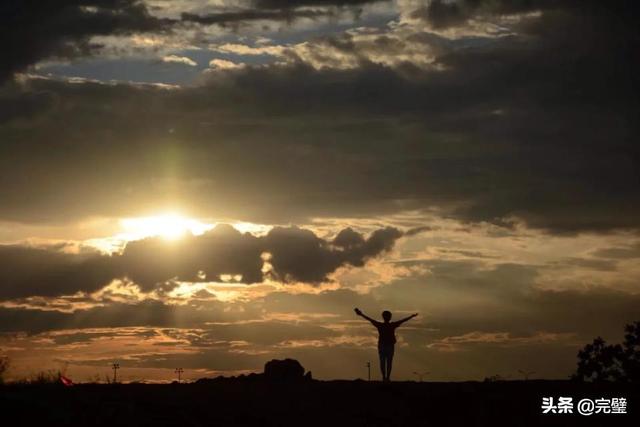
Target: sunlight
249,227
169,226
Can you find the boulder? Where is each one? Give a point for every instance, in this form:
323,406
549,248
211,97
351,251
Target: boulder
287,370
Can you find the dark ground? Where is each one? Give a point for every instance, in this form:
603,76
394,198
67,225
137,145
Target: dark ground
314,403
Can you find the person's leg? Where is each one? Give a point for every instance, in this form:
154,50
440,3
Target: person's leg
388,351
389,365
383,360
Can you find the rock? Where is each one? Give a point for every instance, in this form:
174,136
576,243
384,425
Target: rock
287,370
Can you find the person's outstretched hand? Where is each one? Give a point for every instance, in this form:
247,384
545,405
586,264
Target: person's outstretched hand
358,312
414,314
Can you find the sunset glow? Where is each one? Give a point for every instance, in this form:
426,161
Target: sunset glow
169,226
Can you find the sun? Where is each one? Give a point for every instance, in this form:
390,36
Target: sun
169,226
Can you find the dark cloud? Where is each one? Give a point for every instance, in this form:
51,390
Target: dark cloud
593,264
418,230
236,18
300,255
540,125
297,255
146,313
33,30
621,253
212,335
443,14
223,250
455,298
262,333
24,106
460,302
286,4
512,298
27,271
275,10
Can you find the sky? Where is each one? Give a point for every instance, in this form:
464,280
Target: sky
212,184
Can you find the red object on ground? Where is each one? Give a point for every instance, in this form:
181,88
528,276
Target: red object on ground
66,381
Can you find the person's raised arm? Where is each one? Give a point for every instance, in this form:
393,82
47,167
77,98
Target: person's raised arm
401,321
361,314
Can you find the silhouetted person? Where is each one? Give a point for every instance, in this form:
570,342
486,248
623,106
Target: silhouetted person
386,339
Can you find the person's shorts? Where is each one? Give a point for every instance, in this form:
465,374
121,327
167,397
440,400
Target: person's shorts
386,350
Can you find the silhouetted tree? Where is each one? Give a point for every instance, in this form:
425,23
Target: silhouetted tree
601,362
4,366
631,348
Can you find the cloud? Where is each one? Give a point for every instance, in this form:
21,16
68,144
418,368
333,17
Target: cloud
175,59
298,255
480,128
284,4
27,271
443,13
272,10
521,115
513,298
502,311
241,49
239,17
505,339
223,64
24,106
33,31
622,252
293,254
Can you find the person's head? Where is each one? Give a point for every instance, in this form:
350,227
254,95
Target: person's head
386,315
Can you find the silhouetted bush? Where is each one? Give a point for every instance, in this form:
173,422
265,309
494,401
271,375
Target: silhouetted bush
494,378
45,377
275,371
287,370
599,361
